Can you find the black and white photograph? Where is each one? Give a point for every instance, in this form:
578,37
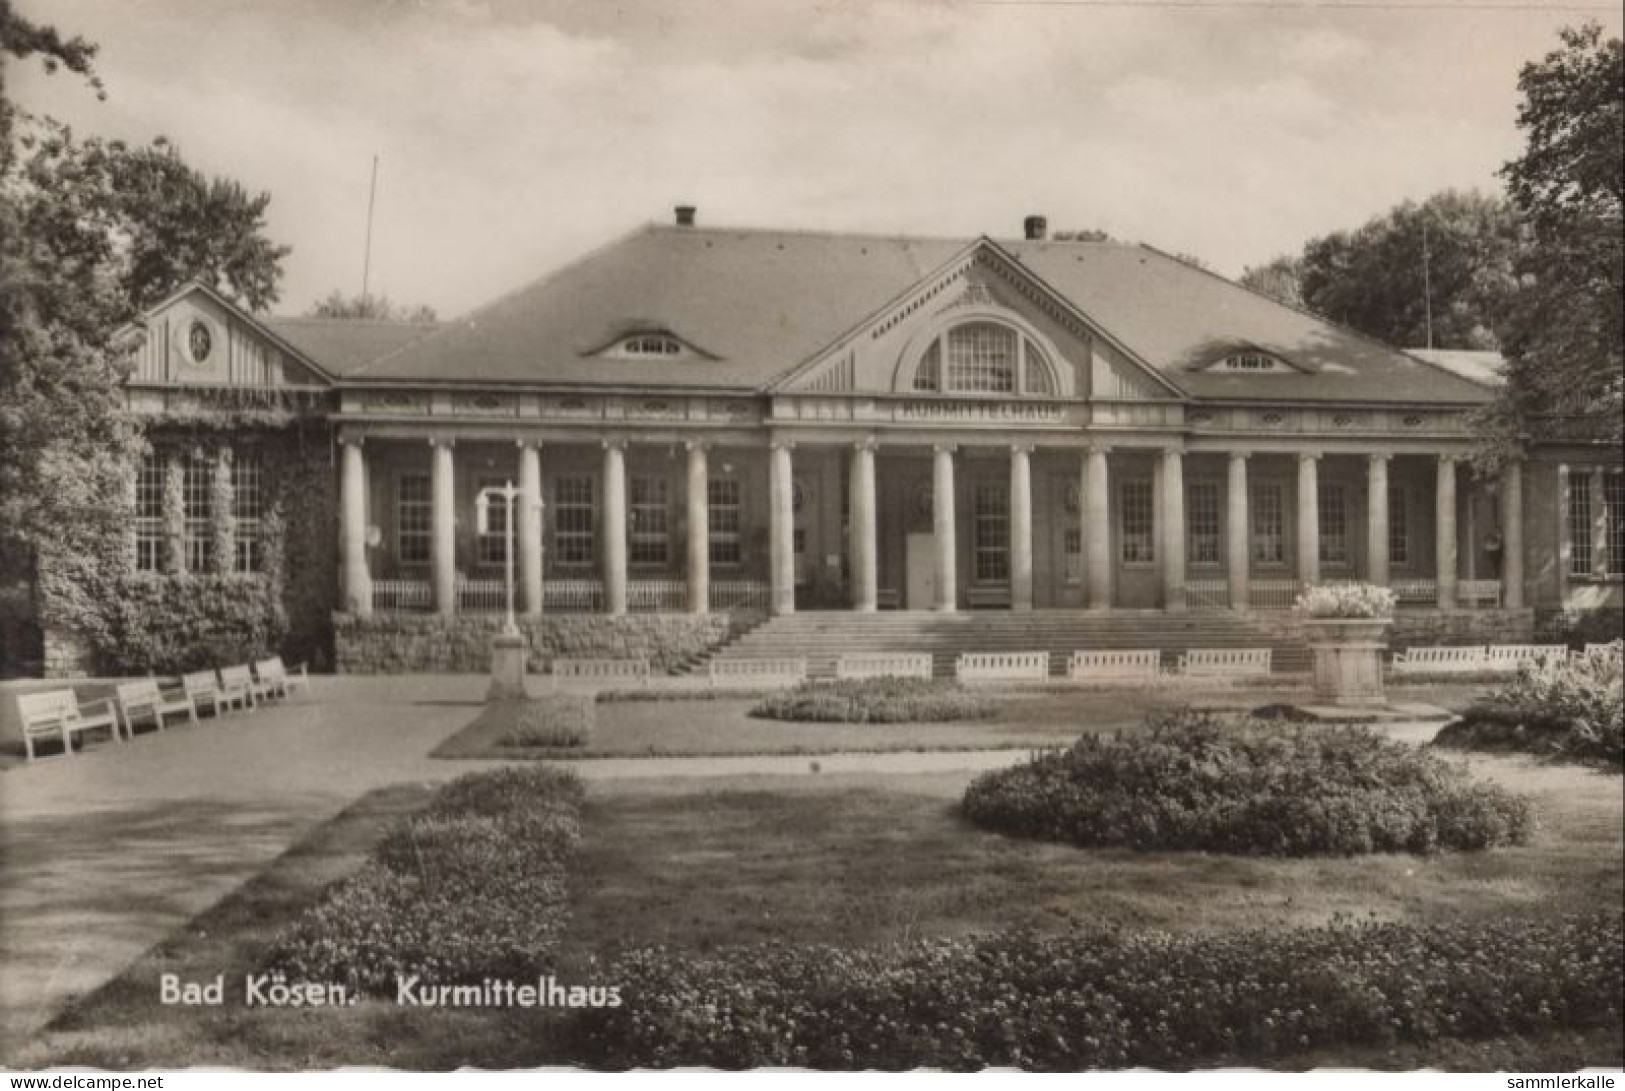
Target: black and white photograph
849,536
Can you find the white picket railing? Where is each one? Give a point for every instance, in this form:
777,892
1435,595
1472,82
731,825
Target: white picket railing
1273,594
1416,592
657,596
738,595
1207,594
1479,593
390,596
482,596
573,596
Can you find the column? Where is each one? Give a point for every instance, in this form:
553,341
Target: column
1021,528
357,598
1376,519
782,517
1097,527
1599,521
1512,535
1173,530
942,518
528,529
1444,532
615,527
699,529
1237,525
864,527
1308,518
443,545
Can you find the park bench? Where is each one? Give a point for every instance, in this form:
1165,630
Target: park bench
58,712
602,670
277,679
995,667
144,699
1505,658
1224,664
786,672
883,664
1105,665
1453,660
238,684
203,687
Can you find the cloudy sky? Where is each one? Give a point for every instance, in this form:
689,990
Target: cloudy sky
515,134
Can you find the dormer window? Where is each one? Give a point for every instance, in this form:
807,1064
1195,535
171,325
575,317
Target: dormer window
650,346
984,358
1252,362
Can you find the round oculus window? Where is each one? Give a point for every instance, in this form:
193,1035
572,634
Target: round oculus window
199,342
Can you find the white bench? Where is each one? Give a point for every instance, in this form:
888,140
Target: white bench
277,680
1510,657
58,712
785,672
238,684
1139,665
883,664
1454,660
1225,664
602,670
144,699
204,687
975,667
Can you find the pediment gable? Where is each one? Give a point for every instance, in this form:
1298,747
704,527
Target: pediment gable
197,337
980,284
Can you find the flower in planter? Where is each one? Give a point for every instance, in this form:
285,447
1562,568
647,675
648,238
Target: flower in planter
1346,600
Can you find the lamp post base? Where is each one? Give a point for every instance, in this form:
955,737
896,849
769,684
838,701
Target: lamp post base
509,652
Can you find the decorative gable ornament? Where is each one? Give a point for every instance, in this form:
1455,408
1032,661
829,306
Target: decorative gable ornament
1251,362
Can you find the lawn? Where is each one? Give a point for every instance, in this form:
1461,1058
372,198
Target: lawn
851,860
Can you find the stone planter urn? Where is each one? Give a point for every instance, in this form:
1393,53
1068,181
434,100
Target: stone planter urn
1348,659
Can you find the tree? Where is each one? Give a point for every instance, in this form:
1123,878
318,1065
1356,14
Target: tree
1280,278
1563,330
1436,273
22,39
377,308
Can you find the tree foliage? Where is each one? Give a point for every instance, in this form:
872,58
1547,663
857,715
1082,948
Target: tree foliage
377,308
23,39
1563,332
1280,278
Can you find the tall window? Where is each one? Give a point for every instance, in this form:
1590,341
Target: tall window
1334,525
928,376
493,541
414,518
991,504
1269,523
197,502
248,510
1580,559
1202,522
1138,530
650,521
722,506
574,519
1399,526
1072,551
1613,498
149,514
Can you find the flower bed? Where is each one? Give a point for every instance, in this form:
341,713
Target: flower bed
1348,600
555,720
1571,708
472,887
877,701
1195,781
1103,1000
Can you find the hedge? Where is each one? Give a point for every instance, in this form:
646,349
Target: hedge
876,701
1572,708
1107,1000
552,720
1197,781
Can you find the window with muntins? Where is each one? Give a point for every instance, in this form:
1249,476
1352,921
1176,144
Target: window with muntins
722,514
414,519
248,512
1334,525
1399,526
1138,528
197,502
991,508
149,514
1614,500
648,540
1580,558
1072,552
1268,509
492,546
574,521
1202,522
984,358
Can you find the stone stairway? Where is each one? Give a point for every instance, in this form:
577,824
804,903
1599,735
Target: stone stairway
820,636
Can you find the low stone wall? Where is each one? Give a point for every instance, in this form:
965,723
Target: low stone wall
1427,628
404,644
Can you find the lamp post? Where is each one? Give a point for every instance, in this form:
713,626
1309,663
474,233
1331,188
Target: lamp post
509,648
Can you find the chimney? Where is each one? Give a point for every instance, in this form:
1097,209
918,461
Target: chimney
685,215
1035,228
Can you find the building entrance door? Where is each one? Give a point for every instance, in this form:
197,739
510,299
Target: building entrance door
921,563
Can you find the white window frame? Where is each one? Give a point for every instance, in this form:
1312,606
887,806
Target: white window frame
575,520
724,513
414,519
1204,529
990,539
150,487
197,508
649,529
248,512
1137,505
1260,536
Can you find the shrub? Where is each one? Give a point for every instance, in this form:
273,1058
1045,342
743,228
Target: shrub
1346,600
876,701
558,719
472,887
1194,781
1107,1000
1572,708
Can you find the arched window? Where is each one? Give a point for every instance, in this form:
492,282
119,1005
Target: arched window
984,357
650,344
